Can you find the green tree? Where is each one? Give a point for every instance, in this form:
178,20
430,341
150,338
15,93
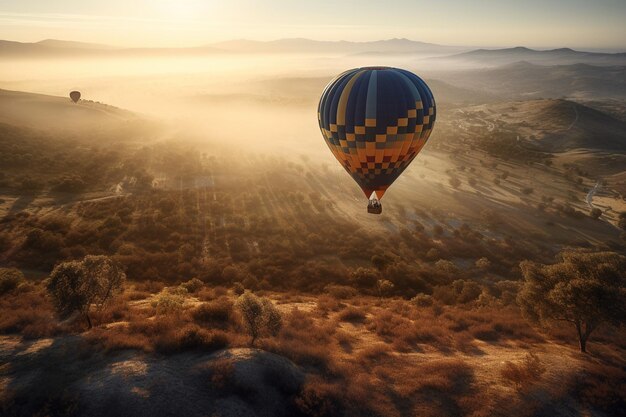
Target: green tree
77,285
584,288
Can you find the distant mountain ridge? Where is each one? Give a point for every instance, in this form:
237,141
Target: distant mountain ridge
480,57
55,43
294,45
559,56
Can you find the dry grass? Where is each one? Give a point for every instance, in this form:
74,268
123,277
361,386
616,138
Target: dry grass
404,359
29,314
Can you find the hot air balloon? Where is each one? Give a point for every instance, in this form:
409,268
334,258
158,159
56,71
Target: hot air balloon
375,120
75,96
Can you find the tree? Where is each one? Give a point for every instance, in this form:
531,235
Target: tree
76,285
384,287
259,316
621,223
454,182
381,262
364,277
584,288
595,213
10,279
483,263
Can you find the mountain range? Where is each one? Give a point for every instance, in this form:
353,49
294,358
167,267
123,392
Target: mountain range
456,54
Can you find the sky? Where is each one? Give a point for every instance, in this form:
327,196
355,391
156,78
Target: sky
591,24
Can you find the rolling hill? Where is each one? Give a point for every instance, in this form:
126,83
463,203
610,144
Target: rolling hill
523,80
555,125
51,112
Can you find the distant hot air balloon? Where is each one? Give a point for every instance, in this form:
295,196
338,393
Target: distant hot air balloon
75,96
375,120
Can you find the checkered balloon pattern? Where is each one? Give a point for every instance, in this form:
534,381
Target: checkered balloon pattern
375,121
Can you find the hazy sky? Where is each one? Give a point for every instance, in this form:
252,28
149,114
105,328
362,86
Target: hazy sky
539,23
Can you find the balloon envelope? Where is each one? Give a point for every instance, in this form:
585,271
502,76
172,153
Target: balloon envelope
75,96
375,120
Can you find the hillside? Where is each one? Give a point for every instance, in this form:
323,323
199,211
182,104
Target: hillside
554,125
523,80
52,112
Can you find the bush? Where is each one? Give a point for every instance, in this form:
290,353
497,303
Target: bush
238,288
191,337
10,279
483,264
340,292
169,301
422,300
192,285
525,374
352,314
217,313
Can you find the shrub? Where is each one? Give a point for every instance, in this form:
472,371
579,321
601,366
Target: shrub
364,277
483,264
422,300
238,288
320,399
191,337
192,285
217,313
340,292
169,301
525,374
384,287
352,314
10,279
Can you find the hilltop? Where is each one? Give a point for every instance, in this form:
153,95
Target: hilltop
52,112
